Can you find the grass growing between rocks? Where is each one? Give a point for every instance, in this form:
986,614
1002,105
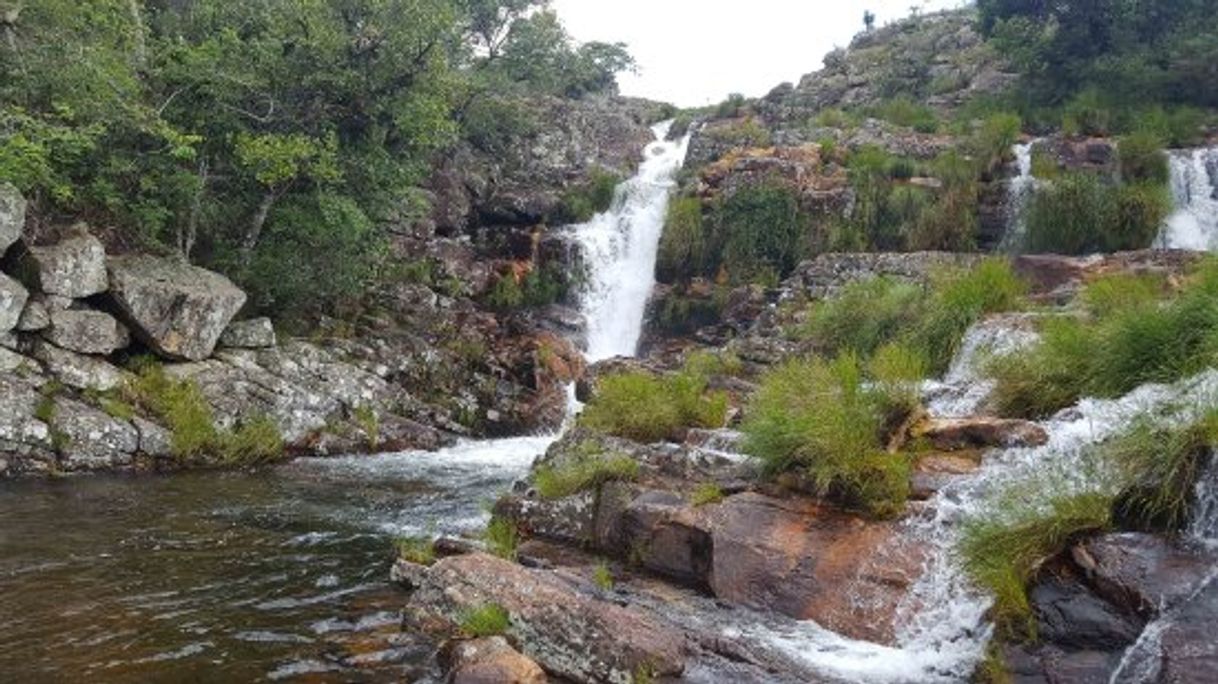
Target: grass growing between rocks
822,420
707,493
649,408
183,408
1130,334
417,550
930,320
1003,555
583,473
501,538
487,620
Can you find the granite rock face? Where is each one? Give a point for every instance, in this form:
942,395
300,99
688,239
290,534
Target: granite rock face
177,309
12,216
74,267
256,333
87,332
12,302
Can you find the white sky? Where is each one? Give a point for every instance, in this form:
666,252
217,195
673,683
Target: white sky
696,52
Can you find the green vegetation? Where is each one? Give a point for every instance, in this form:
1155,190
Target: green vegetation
741,134
538,287
1131,334
1003,553
579,204
928,321
418,550
369,422
46,411
181,406
1160,465
757,233
706,493
649,408
276,141
1081,213
821,419
682,253
487,620
587,471
501,538
903,111
602,577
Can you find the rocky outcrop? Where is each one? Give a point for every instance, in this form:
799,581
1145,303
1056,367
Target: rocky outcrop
177,309
87,332
12,302
74,267
256,333
12,216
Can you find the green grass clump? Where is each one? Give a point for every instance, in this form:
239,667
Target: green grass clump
650,408
370,423
706,493
682,252
1124,342
417,550
501,538
487,620
254,441
583,473
864,316
603,577
1003,554
821,419
580,203
1081,213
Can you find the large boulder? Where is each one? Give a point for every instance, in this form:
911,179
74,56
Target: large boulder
1189,649
73,267
573,634
490,660
78,370
12,216
177,309
12,302
87,332
256,333
90,439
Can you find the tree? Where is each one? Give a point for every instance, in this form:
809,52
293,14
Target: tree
869,20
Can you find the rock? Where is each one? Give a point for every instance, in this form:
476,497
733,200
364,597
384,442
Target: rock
177,309
12,216
11,361
1190,651
92,440
75,370
74,267
36,316
87,332
154,440
1143,573
1071,617
954,434
571,634
1048,664
25,441
490,660
12,302
256,333
827,274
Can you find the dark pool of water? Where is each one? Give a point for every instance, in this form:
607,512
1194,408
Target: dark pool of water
278,574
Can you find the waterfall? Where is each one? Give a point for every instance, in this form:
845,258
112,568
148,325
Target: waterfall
965,387
619,248
1194,187
1019,192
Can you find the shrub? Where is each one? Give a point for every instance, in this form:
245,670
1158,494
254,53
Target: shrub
706,493
583,473
898,371
958,298
487,620
863,316
1142,159
254,441
580,203
1087,114
741,134
676,313
602,577
758,230
819,418
1079,213
648,408
501,538
1047,378
903,111
682,253
1003,553
991,143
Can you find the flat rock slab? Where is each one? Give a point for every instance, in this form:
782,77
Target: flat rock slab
570,633
177,309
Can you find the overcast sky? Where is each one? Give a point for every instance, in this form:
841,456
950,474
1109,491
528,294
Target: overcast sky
695,52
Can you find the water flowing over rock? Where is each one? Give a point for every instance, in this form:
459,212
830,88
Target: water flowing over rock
1020,189
74,267
619,249
12,216
1194,186
177,309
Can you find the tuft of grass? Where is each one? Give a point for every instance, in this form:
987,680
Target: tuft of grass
957,299
603,577
418,550
864,316
580,203
487,620
254,441
821,419
706,493
1003,553
993,668
501,538
650,408
582,473
370,423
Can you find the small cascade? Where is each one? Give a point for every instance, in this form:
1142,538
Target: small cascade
964,388
1019,192
1194,187
619,248
1203,528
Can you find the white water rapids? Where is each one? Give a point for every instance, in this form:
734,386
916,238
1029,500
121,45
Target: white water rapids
1019,193
1194,187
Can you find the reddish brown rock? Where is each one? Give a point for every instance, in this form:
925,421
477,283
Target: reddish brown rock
954,434
488,661
571,634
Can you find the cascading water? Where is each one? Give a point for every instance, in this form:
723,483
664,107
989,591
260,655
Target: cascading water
1194,186
1019,192
619,249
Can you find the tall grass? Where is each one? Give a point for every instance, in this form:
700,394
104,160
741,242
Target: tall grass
649,408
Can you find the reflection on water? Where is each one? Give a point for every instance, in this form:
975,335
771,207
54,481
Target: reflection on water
271,575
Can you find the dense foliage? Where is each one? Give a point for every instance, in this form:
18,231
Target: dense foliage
274,140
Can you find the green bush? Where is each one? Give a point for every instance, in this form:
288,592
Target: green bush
820,419
741,134
583,473
1142,159
649,408
758,232
486,620
501,538
957,299
579,204
903,111
682,253
706,493
417,550
1002,553
1087,114
1079,213
863,316
1116,349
